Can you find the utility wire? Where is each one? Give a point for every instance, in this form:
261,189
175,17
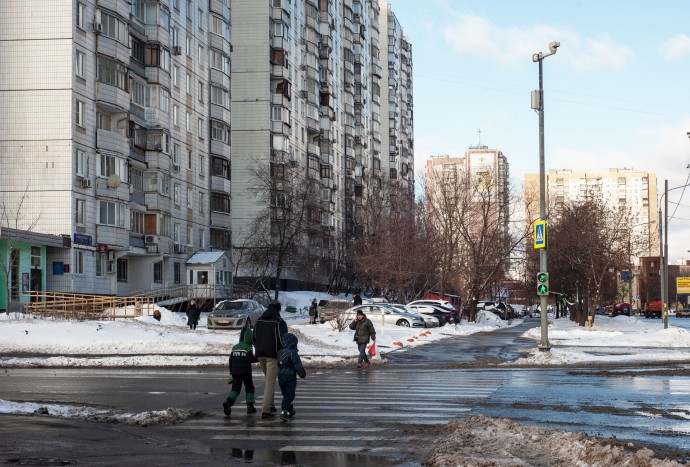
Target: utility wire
681,198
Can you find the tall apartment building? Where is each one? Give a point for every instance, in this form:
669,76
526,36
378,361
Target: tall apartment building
479,166
618,188
123,120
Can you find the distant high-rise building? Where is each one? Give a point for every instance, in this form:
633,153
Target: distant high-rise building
124,122
617,188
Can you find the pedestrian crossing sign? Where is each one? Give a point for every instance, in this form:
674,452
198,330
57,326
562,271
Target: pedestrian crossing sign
539,234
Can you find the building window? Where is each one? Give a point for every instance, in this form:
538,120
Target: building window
112,72
220,131
136,222
122,270
188,122
111,165
220,202
200,91
202,277
202,165
220,61
188,9
200,128
137,50
165,225
114,28
189,197
202,202
80,15
82,166
176,233
80,114
200,55
79,212
176,76
176,273
200,19
202,239
36,257
100,264
158,272
220,167
190,236
79,64
220,96
189,159
188,46
111,213
220,27
155,55
176,115
176,153
176,193
79,262
136,178
220,239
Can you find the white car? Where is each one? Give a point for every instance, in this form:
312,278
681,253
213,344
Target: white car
388,314
432,302
429,321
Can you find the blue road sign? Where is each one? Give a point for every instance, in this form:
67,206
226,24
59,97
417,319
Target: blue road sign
539,234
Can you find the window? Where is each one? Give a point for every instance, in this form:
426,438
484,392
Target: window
176,233
100,264
111,165
188,46
200,19
114,27
158,272
176,115
202,277
176,193
138,92
200,55
220,167
202,202
176,76
155,55
136,222
112,72
189,160
80,114
175,32
280,30
220,96
188,84
188,9
220,131
136,178
202,239
280,114
157,97
176,153
79,64
220,202
188,122
111,213
137,50
190,236
165,225
176,273
202,165
220,61
80,15
220,239
35,256
82,165
200,91
200,128
79,262
79,212
189,197
122,270
220,27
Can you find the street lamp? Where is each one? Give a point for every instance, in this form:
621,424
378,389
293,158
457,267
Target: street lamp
538,105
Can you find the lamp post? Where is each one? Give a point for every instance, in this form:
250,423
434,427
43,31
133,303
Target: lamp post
538,105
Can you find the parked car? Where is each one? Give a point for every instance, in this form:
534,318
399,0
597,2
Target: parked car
442,305
234,314
619,309
387,313
443,316
429,320
330,309
684,313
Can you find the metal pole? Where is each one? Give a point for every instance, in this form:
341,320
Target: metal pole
544,344
664,307
661,259
630,278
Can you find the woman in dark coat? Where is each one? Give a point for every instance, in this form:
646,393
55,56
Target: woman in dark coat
192,315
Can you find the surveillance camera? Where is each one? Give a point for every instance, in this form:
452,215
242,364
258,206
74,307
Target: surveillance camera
553,46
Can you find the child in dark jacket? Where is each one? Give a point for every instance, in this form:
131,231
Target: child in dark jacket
289,367
240,366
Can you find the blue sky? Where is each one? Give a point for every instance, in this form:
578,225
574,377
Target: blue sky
617,92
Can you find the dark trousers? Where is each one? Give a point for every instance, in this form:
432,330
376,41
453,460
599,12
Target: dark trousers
287,388
363,357
237,381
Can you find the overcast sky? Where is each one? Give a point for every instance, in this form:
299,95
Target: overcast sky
617,92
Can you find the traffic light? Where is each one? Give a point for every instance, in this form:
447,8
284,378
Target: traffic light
542,283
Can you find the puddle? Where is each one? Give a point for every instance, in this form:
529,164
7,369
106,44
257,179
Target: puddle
315,458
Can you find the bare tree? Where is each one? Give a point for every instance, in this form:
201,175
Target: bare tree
277,240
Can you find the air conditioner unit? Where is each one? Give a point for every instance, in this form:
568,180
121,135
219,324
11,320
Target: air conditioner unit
176,168
151,239
86,183
97,27
111,267
177,50
151,248
178,248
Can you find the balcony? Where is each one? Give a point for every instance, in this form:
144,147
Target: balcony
313,125
280,99
112,48
279,72
111,235
220,184
280,127
112,141
279,43
157,202
156,33
376,70
312,23
280,14
104,190
157,118
313,149
158,75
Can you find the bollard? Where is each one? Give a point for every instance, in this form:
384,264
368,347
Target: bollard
590,318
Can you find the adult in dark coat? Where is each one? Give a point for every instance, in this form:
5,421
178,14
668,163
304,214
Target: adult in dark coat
192,315
357,299
267,340
364,330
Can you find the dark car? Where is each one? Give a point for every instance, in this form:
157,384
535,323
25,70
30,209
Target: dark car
684,313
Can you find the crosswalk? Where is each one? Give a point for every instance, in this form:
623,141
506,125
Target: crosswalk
354,410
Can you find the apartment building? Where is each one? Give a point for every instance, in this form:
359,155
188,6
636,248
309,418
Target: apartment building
619,188
124,120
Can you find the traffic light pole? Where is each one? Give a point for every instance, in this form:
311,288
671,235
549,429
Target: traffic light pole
544,344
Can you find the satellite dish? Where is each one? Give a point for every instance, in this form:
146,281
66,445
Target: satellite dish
114,181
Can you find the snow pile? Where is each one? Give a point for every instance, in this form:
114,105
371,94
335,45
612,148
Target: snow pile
160,417
486,441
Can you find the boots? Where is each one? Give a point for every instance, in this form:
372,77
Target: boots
285,416
227,406
251,408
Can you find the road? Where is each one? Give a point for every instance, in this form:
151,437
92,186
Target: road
386,415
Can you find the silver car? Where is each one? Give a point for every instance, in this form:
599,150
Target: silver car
234,314
387,313
429,321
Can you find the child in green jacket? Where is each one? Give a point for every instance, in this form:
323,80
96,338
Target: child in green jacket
240,366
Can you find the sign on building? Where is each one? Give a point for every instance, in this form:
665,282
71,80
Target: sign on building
683,285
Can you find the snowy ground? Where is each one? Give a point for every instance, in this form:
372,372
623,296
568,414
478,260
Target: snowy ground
481,441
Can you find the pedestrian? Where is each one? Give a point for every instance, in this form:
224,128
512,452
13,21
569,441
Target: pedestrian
357,299
192,315
267,340
364,330
240,367
289,367
313,311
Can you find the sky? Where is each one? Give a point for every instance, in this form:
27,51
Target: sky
615,93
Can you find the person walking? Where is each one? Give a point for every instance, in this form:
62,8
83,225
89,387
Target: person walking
364,330
240,366
289,367
267,340
193,313
357,299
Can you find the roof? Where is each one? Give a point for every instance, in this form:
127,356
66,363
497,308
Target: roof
205,257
